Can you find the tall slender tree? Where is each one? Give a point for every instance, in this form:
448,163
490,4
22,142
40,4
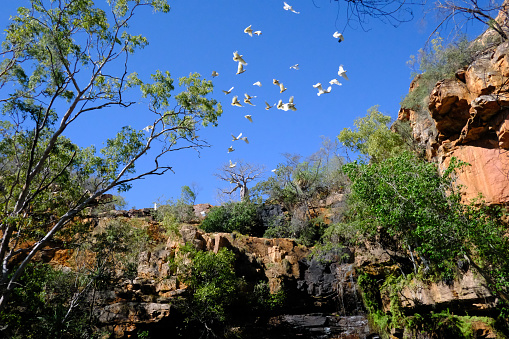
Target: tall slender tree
62,61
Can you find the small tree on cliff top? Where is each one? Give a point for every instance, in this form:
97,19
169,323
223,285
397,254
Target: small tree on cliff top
60,63
240,174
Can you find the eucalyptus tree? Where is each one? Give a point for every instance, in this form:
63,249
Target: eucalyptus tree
63,61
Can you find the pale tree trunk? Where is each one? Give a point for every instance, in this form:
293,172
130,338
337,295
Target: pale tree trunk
244,195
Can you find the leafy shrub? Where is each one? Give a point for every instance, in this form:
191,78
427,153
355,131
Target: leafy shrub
171,212
438,63
261,300
234,216
372,137
117,250
406,202
300,184
117,202
40,308
212,288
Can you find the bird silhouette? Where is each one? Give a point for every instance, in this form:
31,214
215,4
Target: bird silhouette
259,84
230,149
296,66
257,33
214,74
232,165
248,117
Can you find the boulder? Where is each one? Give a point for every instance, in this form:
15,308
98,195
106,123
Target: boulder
469,293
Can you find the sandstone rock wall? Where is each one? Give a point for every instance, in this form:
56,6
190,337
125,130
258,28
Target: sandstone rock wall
469,119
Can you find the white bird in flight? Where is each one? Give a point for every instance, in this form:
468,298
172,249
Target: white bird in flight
148,128
240,69
230,149
296,66
279,104
248,117
287,106
214,74
257,33
267,106
335,82
342,72
282,88
321,90
228,91
290,104
238,57
236,138
259,84
236,102
338,36
275,82
248,30
289,8
232,165
240,137
248,98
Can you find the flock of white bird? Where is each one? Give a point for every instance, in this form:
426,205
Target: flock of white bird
279,105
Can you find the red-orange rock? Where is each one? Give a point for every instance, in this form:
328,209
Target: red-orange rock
486,175
449,106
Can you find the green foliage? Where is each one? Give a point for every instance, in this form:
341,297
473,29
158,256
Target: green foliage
406,202
172,213
440,324
62,61
39,309
438,63
211,284
117,202
373,137
241,217
262,301
298,182
117,249
298,186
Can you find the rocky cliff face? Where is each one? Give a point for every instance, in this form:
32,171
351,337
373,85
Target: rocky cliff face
313,286
469,119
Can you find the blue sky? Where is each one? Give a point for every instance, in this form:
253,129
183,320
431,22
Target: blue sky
201,36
